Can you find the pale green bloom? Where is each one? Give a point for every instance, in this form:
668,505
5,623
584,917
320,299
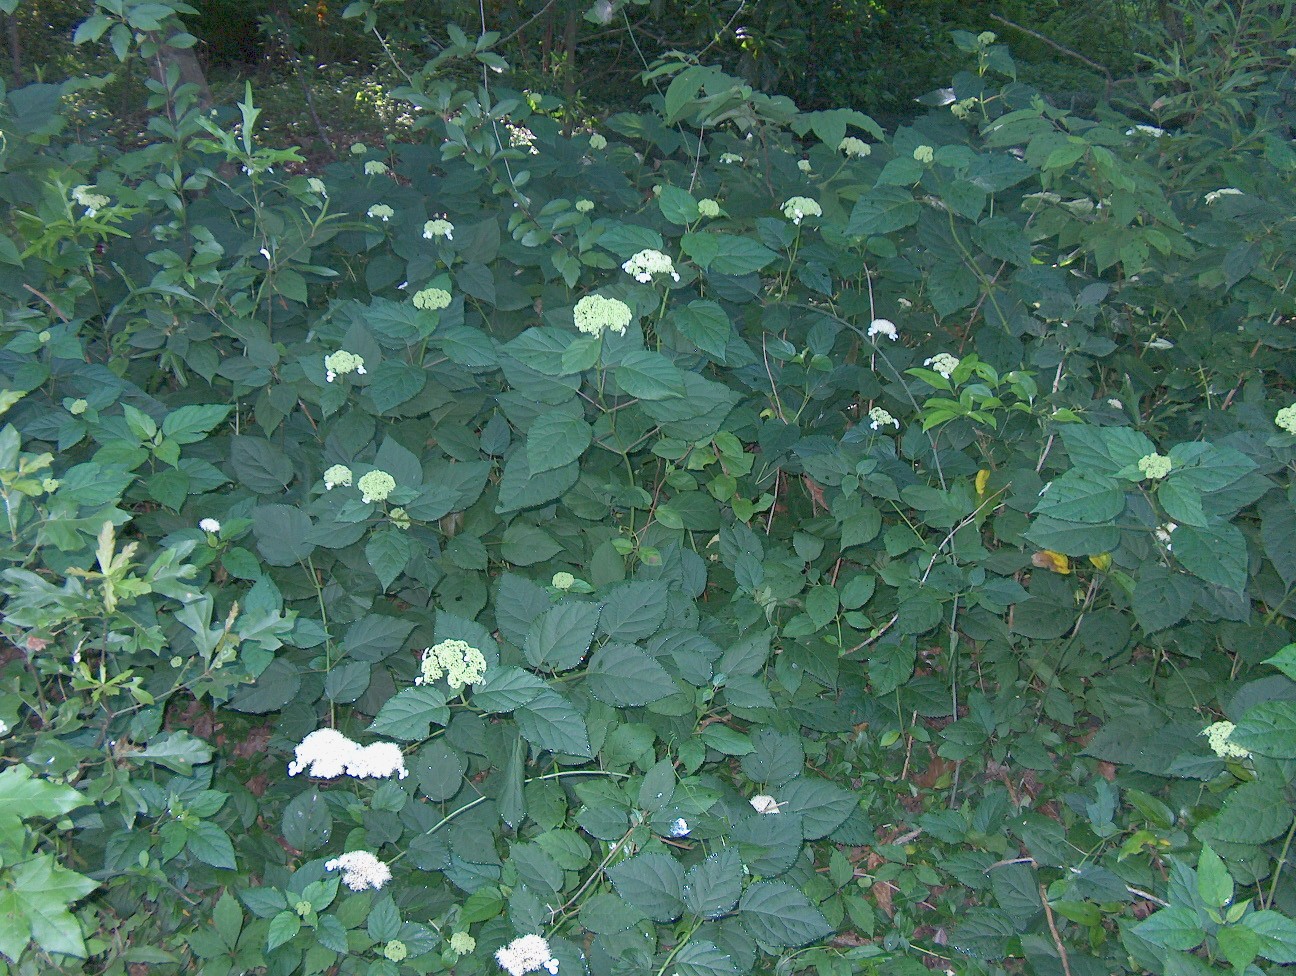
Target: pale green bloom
943,363
649,262
93,202
1286,419
1154,466
457,661
342,362
395,950
375,486
51,485
43,336
316,185
852,146
431,299
730,158
881,419
924,154
400,518
708,208
438,228
962,109
803,165
77,407
598,142
563,581
1218,737
358,149
584,206
986,38
375,168
462,943
798,208
595,315
338,474
380,211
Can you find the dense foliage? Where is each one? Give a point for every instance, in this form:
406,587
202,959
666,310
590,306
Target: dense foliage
736,539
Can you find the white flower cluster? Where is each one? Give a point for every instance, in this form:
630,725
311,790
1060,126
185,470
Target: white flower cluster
338,474
1147,130
431,299
462,943
328,754
598,142
595,315
882,419
924,155
526,954
209,525
375,168
4,727
764,803
679,827
584,206
803,165
342,362
438,228
728,158
1286,418
1154,466
93,202
1218,737
316,185
855,148
1225,191
884,327
380,211
986,38
375,486
649,262
708,208
563,581
1165,533
943,363
457,661
798,208
360,870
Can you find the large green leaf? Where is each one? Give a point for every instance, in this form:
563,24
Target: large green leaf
520,488
556,439
409,715
559,638
282,534
1082,496
649,376
712,886
652,883
823,806
623,675
699,957
40,891
883,210
1269,729
777,914
550,723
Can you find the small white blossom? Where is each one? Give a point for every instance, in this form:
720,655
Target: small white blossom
375,168
526,954
4,727
360,870
1147,130
729,157
803,165
1218,737
763,803
380,211
584,206
1164,533
338,474
708,208
77,407
1226,191
884,327
855,148
598,142
431,299
649,262
679,828
209,525
882,419
316,185
93,202
943,363
1286,418
798,208
1115,404
595,315
440,227
1154,466
375,486
924,155
457,661
342,362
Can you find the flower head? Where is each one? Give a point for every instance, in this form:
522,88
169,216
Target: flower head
798,208
803,165
882,419
1218,737
1148,130
679,827
462,943
563,581
526,954
708,208
855,148
986,38
1226,191
963,108
380,211
316,185
324,754
380,760
457,661
763,803
595,315
1165,534
584,206
77,407
1154,466
729,157
395,950
431,299
375,486
649,262
360,870
338,474
943,363
358,149
924,155
93,202
440,227
598,142
209,525
1286,418
375,168
884,327
342,362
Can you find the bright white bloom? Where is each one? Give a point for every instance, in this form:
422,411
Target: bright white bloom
520,137
375,486
462,943
1147,130
324,754
986,38
763,803
679,828
431,299
855,148
4,727
93,202
563,581
649,262
1218,737
598,142
375,168
526,954
1286,419
380,211
882,419
883,327
798,208
708,208
1115,404
803,165
360,870
924,154
1165,532
316,185
943,363
584,206
457,661
1227,191
338,474
1154,466
342,362
595,314
209,525
381,760
727,158
438,228
904,303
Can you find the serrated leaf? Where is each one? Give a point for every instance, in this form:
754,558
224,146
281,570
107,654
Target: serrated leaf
1174,928
211,845
410,714
1081,496
698,957
883,210
388,552
777,914
823,806
712,886
634,610
505,689
41,890
1217,554
623,675
1277,935
648,376
559,638
555,439
1268,729
652,883
550,723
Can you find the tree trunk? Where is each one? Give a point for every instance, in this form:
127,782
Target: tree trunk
189,72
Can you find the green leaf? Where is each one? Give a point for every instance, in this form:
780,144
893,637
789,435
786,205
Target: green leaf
777,914
1162,598
725,740
275,687
282,534
1104,450
560,637
283,927
505,689
190,424
41,890
524,544
677,206
622,675
1268,729
388,552
823,806
409,714
633,611
1213,881
648,376
1253,813
698,957
1181,501
392,383
375,637
439,769
1277,934
178,751
712,887
952,286
883,210
556,439
1285,661
520,488
706,325
652,883
307,822
1082,496
1174,928
1217,554
23,796
211,845
550,723
260,466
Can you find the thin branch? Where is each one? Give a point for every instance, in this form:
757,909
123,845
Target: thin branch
1106,73
1053,930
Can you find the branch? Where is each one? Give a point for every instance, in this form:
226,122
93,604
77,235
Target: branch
1060,47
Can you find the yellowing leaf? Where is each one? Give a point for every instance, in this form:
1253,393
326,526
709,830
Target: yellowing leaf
1101,561
982,479
1054,562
